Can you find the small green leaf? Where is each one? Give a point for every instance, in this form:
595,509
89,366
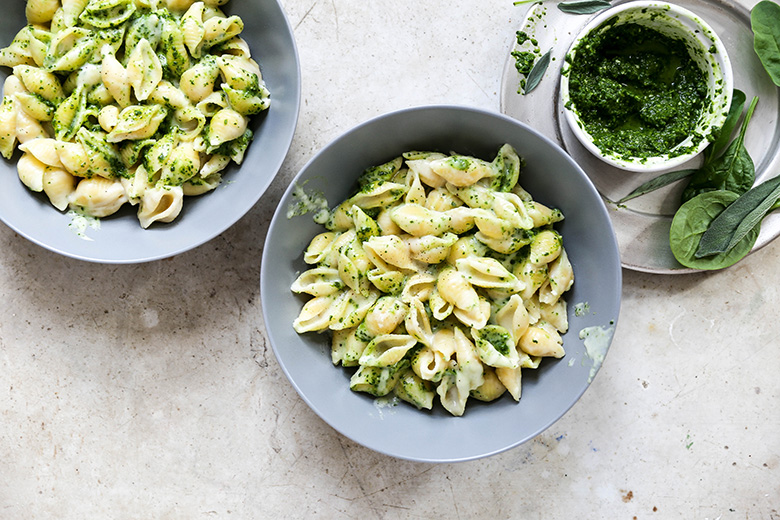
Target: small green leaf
658,183
735,111
736,221
537,73
693,219
733,170
584,6
765,22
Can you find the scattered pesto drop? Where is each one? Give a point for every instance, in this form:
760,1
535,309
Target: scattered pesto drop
637,92
79,223
596,340
308,202
581,309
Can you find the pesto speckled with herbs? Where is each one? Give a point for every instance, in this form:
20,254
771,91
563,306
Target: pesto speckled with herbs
638,92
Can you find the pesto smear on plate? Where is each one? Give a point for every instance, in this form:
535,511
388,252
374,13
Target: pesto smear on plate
638,92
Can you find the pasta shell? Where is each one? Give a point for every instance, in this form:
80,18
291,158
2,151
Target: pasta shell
419,221
160,204
226,125
58,185
41,11
98,197
320,281
45,150
542,340
387,350
491,388
461,170
30,172
387,313
144,70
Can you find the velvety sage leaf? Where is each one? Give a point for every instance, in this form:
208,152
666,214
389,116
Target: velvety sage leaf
537,73
745,213
584,6
765,22
693,219
735,111
732,171
658,182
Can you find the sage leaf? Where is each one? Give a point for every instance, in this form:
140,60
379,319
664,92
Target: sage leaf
691,222
732,171
537,73
584,6
658,183
765,22
735,111
736,221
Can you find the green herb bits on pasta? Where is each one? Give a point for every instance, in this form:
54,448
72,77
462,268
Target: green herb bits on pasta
440,279
139,102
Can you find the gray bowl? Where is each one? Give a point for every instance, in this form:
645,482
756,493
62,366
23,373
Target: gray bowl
120,238
553,178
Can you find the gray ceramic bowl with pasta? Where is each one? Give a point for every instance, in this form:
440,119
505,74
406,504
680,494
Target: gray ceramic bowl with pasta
397,428
120,238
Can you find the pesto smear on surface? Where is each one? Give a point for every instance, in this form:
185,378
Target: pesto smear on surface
637,92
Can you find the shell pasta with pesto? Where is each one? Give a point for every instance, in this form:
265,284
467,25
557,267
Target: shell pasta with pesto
440,278
139,102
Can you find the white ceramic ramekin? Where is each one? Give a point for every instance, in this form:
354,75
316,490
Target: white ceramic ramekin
704,46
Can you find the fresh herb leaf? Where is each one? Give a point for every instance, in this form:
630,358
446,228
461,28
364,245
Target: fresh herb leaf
736,221
658,183
732,171
738,99
537,72
765,22
584,6
691,222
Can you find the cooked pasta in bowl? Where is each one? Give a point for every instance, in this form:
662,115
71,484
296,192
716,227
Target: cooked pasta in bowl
440,268
126,115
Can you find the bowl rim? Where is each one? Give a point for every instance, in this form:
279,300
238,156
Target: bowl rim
662,162
267,304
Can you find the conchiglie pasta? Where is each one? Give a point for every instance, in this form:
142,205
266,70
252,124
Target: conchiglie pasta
152,96
98,197
440,279
160,204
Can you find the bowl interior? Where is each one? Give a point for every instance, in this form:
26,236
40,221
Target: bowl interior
704,47
120,238
552,178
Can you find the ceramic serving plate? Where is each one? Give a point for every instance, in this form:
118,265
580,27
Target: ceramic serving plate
642,224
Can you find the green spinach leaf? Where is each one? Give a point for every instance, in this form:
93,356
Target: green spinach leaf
732,171
691,222
765,22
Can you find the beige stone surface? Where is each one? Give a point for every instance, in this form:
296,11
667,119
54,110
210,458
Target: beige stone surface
149,391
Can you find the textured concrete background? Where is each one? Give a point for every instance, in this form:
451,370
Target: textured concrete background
149,391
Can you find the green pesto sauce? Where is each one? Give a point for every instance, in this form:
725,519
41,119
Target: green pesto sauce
637,92
498,339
